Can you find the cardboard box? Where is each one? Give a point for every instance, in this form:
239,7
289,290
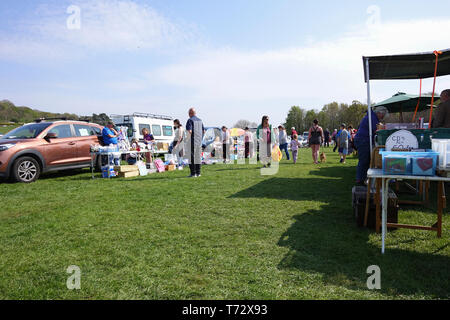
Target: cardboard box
170,167
129,174
127,168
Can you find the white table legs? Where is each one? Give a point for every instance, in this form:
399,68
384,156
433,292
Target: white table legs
384,206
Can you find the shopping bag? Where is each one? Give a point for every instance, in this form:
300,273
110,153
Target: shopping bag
276,154
159,165
142,168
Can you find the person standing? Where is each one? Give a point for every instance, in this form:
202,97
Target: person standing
109,137
267,139
351,136
442,119
282,138
315,139
362,142
196,130
334,139
293,131
343,143
149,140
225,135
109,134
295,144
178,142
326,135
248,141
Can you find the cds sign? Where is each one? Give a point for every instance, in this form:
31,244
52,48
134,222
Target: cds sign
401,140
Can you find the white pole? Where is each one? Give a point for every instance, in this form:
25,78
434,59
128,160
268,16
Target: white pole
369,107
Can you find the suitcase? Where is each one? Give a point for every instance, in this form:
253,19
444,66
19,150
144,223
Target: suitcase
359,205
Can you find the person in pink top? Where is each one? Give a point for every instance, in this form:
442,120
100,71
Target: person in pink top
295,144
248,140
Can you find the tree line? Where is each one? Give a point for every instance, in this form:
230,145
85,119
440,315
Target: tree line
9,113
330,117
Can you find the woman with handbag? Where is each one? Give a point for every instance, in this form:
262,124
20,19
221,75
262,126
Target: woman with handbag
267,138
315,139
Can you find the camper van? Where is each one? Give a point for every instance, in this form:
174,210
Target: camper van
160,126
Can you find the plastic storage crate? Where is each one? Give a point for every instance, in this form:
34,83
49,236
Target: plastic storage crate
423,136
442,146
416,163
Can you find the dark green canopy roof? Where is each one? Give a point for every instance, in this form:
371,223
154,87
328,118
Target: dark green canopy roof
402,102
407,66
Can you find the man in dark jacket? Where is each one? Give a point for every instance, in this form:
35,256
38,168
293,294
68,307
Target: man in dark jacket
362,142
326,141
196,130
442,119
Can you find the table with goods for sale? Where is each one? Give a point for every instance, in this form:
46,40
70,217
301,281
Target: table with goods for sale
405,172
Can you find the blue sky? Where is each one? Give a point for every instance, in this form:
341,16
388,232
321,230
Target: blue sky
230,59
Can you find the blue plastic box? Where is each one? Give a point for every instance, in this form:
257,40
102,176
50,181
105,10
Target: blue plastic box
415,163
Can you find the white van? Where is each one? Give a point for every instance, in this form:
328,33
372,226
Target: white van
160,126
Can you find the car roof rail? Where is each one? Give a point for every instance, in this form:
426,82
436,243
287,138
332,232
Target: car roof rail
143,115
44,119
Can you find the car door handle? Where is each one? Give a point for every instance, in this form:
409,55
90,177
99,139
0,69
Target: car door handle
71,143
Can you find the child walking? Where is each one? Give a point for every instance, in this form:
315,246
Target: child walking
294,147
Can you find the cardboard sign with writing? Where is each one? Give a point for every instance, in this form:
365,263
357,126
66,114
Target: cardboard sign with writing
401,140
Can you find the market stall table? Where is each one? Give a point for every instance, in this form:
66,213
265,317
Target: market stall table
93,154
385,178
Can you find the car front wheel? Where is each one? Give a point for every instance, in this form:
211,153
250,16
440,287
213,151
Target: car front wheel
26,169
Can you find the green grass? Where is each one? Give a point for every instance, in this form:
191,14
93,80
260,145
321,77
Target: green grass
230,234
6,128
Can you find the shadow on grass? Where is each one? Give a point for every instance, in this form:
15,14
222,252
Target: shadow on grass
300,189
342,253
327,241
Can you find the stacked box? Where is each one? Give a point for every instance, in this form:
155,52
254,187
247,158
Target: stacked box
129,174
127,171
126,168
170,167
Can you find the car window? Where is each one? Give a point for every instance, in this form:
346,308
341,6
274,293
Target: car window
63,131
167,131
97,131
84,130
156,130
142,126
27,131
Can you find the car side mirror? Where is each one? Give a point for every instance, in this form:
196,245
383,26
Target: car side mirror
51,135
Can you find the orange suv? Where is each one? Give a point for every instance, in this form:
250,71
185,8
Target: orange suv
39,147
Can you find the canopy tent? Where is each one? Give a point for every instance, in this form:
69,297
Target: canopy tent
402,102
406,66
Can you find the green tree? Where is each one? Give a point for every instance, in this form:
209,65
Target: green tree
295,118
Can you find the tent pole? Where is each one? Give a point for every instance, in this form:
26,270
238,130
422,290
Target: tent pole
369,107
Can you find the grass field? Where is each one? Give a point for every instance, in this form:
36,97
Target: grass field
5,129
230,234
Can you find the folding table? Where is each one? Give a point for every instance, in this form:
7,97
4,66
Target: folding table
385,179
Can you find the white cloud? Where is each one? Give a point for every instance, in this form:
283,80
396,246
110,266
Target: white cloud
320,71
106,26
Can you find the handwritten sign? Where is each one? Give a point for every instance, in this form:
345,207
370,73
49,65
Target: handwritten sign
402,139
